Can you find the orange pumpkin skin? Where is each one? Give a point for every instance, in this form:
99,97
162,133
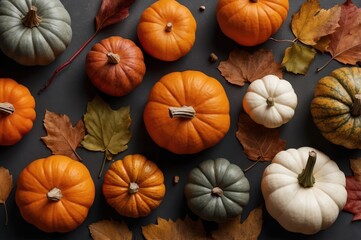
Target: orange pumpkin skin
251,22
134,186
17,111
115,66
47,210
179,134
167,43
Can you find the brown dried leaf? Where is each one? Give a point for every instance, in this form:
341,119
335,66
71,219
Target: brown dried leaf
353,188
242,67
259,143
180,230
111,12
62,137
6,184
110,230
250,229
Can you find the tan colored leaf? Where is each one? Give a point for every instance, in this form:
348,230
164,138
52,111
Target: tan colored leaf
6,184
250,229
259,143
62,137
242,67
311,22
178,230
110,230
298,58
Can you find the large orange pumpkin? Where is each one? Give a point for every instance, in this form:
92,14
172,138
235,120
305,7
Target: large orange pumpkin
251,22
55,193
167,30
17,111
115,65
187,112
134,186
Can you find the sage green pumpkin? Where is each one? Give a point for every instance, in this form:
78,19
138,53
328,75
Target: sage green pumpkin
217,190
34,32
336,107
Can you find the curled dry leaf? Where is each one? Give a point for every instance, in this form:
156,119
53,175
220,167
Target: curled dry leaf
110,230
353,188
242,67
62,138
6,184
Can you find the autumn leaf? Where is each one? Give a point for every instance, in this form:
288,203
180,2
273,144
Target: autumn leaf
345,43
6,184
110,230
353,188
107,129
259,143
179,230
62,138
242,67
298,58
311,22
250,229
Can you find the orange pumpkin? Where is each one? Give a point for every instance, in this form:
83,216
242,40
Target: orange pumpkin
251,22
167,30
55,193
17,111
187,112
134,186
115,66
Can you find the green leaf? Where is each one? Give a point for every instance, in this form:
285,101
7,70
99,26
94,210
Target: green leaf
107,129
297,58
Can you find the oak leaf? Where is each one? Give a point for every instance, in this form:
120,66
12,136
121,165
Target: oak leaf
62,138
107,129
298,58
311,22
250,229
353,188
259,143
6,184
180,230
110,230
242,66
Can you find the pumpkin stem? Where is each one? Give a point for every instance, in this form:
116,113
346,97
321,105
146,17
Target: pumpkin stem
253,1
356,106
133,187
168,27
217,191
306,178
31,19
54,194
6,108
270,101
182,112
113,58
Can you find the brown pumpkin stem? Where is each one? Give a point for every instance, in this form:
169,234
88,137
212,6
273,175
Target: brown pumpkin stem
168,27
270,101
6,108
54,194
356,106
31,19
113,58
182,112
306,178
133,188
217,191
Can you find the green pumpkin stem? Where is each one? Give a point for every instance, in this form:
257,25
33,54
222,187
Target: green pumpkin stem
31,19
356,106
182,112
6,108
54,194
306,178
217,191
113,58
133,187
270,101
168,27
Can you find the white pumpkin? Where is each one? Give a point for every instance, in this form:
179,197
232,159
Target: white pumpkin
270,101
304,190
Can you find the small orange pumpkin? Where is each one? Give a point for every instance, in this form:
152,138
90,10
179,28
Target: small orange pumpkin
187,112
115,66
17,111
251,22
167,30
55,193
134,186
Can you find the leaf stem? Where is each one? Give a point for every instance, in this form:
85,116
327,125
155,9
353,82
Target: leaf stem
252,165
283,40
6,214
324,65
102,167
